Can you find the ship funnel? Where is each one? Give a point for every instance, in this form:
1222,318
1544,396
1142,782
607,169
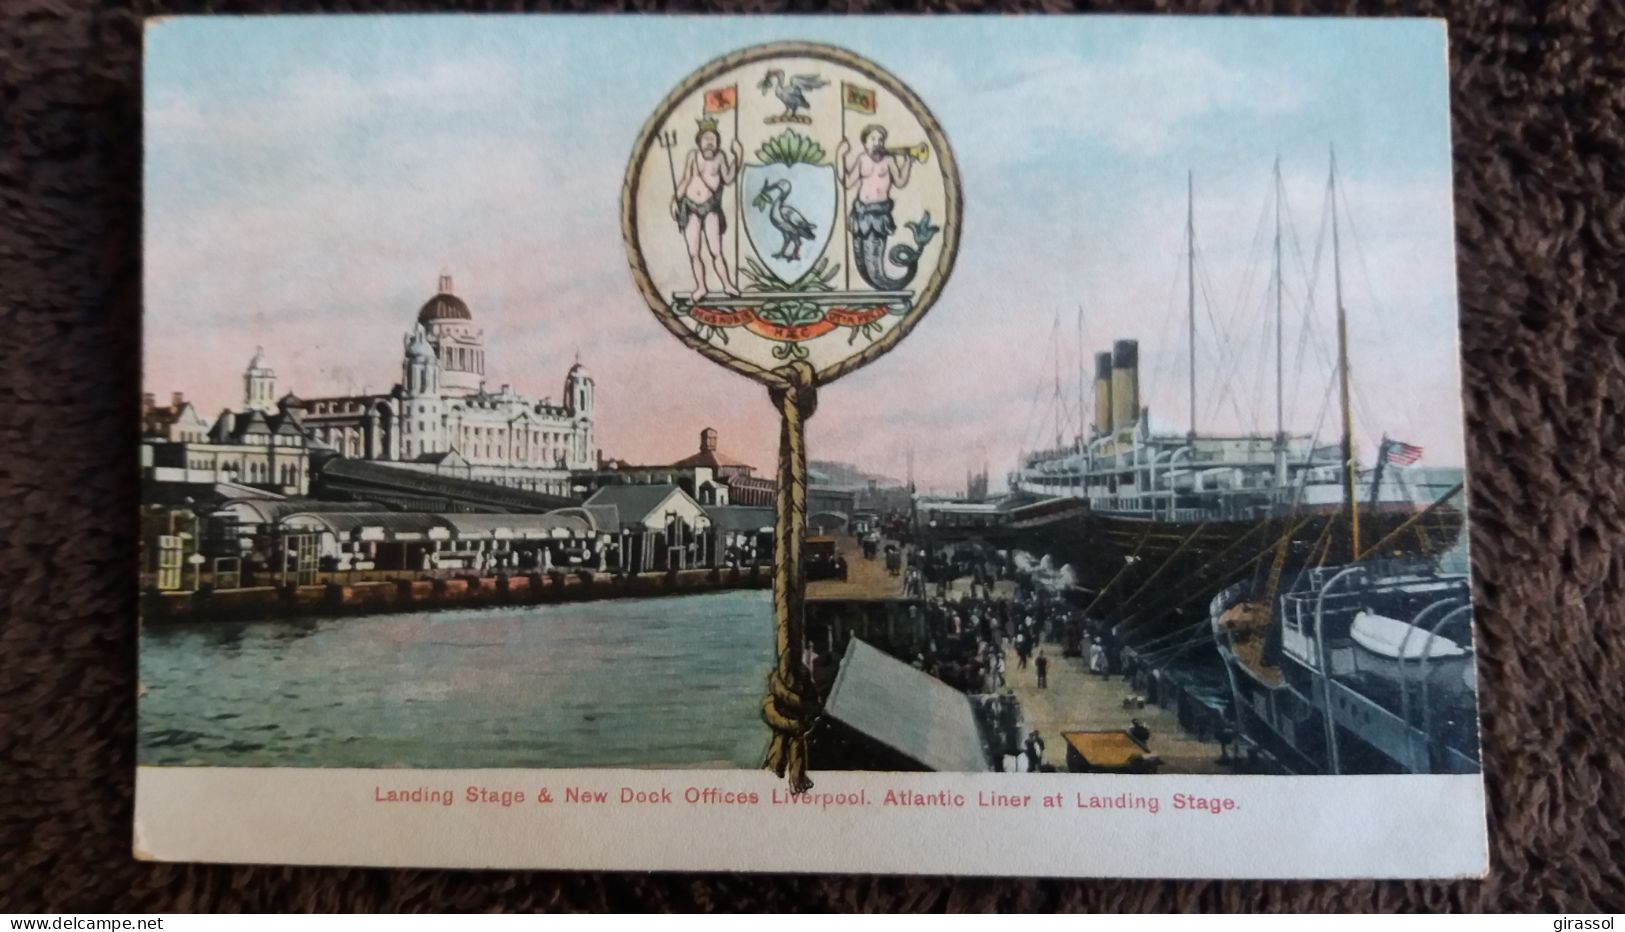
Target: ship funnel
1125,383
1103,393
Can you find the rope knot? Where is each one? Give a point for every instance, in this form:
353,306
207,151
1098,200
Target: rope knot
799,390
791,710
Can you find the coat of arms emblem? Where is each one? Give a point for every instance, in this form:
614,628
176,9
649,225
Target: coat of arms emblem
791,202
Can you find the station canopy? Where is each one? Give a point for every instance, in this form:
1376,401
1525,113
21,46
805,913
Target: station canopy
371,525
554,524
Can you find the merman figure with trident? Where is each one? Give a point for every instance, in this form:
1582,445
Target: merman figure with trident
696,203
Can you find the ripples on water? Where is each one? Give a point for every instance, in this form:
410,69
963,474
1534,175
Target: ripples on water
671,682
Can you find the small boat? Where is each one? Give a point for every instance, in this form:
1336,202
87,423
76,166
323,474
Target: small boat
1361,668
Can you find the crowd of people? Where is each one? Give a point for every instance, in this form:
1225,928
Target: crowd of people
996,607
980,608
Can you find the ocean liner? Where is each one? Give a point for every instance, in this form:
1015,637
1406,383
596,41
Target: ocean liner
1154,523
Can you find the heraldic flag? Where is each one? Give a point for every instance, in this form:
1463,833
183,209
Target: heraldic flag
854,97
721,99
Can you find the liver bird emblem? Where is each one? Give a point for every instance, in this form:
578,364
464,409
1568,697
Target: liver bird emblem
791,93
786,219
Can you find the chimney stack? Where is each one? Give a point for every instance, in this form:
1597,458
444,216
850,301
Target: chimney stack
1125,383
148,402
176,399
1103,393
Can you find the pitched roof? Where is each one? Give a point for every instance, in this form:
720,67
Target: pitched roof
907,710
443,457
391,483
727,518
709,458
606,517
633,501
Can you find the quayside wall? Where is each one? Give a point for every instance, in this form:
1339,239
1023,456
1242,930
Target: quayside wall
434,594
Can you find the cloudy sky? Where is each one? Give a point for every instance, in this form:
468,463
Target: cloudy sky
308,178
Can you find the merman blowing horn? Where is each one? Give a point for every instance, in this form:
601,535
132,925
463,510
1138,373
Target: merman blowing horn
873,174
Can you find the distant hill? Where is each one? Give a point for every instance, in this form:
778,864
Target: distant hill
834,475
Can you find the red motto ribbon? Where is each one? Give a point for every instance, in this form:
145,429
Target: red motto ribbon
751,319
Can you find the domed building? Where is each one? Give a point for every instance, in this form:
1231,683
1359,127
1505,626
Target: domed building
443,419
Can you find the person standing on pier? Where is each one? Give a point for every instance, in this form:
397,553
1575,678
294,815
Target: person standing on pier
1138,731
1097,658
1034,749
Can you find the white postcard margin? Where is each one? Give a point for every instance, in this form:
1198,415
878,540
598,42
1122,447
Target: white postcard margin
1166,826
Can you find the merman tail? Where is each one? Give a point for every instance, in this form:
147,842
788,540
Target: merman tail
869,255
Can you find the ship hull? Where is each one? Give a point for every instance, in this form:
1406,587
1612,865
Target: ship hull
1148,576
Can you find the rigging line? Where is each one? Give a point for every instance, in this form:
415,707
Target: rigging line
1228,353
1170,651
1164,660
1163,358
1177,632
1411,520
1252,256
1167,561
1372,426
1232,384
1224,387
1309,564
1239,309
1312,278
1195,572
1378,314
1032,410
1026,432
1084,381
1184,595
1126,564
1361,413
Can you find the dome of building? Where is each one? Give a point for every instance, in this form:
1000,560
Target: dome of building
444,305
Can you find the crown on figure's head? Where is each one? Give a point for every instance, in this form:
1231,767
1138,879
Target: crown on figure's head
708,124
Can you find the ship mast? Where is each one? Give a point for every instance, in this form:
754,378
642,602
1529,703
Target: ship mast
1280,391
1083,423
1190,276
1056,405
1349,497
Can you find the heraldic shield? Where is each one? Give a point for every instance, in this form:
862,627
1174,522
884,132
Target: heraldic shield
790,217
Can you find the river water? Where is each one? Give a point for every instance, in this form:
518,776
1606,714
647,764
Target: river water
673,682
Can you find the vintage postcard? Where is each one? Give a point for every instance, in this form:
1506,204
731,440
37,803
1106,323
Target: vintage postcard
1023,446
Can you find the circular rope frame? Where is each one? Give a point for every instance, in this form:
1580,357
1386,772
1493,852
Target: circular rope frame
777,378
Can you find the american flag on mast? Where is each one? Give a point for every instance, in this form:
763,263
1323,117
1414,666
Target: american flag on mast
1400,453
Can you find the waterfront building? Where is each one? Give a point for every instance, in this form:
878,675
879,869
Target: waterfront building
265,453
715,479
709,476
442,419
177,422
743,534
660,526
